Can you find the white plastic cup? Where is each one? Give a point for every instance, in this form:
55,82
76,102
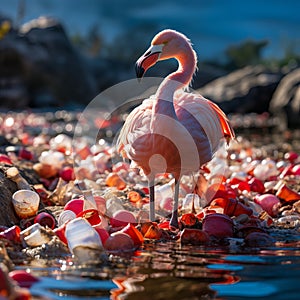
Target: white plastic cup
80,233
188,201
113,205
35,235
84,242
53,158
26,203
65,216
162,192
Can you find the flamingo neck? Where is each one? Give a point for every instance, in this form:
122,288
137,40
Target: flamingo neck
179,79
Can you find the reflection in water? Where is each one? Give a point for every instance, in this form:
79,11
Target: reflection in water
171,271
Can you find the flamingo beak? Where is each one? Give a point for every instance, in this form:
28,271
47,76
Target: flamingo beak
147,60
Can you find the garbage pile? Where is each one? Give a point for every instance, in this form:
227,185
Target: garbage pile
90,205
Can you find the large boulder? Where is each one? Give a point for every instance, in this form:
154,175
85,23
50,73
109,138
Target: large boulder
286,99
243,91
13,90
40,66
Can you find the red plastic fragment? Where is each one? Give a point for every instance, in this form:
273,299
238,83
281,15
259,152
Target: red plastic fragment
218,225
91,215
75,205
67,174
4,159
269,202
23,278
119,242
103,234
188,220
25,154
232,207
45,219
258,239
194,237
256,185
12,234
134,233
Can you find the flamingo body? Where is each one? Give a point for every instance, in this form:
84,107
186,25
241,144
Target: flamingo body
172,131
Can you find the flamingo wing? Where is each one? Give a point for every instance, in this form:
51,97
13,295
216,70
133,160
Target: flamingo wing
132,140
228,132
209,117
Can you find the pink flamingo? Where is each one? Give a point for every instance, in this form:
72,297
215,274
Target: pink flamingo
173,131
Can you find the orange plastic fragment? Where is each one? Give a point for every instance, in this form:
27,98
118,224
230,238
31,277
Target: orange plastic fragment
145,226
134,196
84,152
153,233
45,170
188,219
232,207
134,233
114,180
287,194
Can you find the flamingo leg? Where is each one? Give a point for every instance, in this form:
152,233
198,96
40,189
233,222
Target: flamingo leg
152,203
174,218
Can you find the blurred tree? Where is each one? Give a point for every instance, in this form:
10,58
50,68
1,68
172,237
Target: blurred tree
92,43
129,45
291,56
247,53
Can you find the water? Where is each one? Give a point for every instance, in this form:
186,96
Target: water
168,270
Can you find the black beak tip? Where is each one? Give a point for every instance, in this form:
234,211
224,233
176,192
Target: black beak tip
139,71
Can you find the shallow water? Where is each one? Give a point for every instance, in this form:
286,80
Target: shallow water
168,270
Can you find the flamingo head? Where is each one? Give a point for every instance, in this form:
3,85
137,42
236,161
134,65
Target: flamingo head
166,44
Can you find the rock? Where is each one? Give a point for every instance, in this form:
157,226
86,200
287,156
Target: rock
13,90
243,91
40,67
205,74
286,99
7,214
8,188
